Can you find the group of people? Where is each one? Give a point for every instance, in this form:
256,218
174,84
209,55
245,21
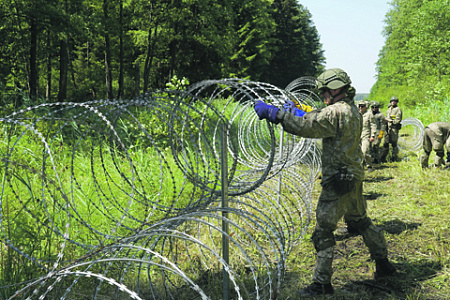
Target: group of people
340,126
375,127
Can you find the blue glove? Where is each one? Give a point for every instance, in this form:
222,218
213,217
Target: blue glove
290,106
266,111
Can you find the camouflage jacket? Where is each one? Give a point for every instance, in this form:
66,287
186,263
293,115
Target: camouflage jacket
441,130
339,126
380,121
369,128
394,116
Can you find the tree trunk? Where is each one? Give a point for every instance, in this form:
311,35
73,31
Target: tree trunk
149,57
120,89
63,69
137,78
33,80
48,89
108,73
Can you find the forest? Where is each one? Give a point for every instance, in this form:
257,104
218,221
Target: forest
414,63
111,175
78,50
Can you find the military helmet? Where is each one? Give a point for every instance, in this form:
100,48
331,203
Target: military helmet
363,103
333,79
375,104
393,98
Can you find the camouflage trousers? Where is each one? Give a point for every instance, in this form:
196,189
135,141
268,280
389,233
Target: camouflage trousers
365,148
434,141
330,210
391,138
375,151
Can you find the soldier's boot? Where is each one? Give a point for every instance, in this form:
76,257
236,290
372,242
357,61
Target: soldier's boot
316,288
384,268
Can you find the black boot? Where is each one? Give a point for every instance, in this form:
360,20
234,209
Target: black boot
315,289
384,268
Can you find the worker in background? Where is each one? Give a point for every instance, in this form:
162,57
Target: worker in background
368,134
381,124
393,119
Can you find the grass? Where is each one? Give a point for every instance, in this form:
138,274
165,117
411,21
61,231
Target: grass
411,205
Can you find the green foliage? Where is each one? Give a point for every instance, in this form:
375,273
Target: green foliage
414,63
140,45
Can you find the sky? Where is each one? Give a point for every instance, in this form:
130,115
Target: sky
351,36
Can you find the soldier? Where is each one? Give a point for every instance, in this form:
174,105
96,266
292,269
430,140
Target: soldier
380,121
368,133
339,125
437,135
393,119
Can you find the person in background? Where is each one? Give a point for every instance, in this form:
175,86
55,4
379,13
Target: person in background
436,137
393,119
368,133
339,125
381,124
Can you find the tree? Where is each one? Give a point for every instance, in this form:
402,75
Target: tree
298,51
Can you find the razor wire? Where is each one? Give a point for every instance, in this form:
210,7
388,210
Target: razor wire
411,135
114,199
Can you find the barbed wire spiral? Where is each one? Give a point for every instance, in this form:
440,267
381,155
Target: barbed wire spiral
115,199
411,135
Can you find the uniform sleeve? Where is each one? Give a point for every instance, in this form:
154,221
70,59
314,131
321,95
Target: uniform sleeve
315,124
373,126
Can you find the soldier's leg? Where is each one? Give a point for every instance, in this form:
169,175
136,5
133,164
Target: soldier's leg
394,141
373,236
395,151
439,158
376,151
427,147
365,147
447,148
384,152
328,213
424,159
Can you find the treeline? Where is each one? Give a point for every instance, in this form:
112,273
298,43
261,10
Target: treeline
76,50
414,64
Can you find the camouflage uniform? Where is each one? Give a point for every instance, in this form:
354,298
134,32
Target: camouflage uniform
369,130
394,119
380,122
340,126
437,135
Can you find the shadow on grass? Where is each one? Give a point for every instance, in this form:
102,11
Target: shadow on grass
398,226
378,179
405,284
372,196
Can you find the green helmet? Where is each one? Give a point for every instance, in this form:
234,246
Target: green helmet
393,98
333,79
375,104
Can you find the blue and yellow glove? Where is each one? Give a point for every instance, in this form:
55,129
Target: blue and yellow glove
290,106
267,111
